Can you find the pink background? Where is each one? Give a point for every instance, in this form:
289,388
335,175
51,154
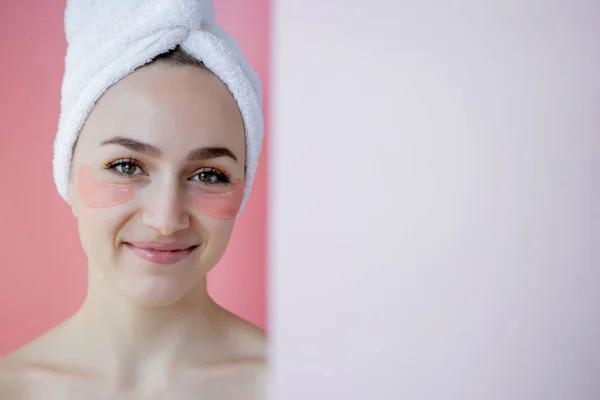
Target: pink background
43,269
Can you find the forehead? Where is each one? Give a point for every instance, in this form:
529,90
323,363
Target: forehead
173,107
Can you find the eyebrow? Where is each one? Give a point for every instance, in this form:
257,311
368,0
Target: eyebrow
199,154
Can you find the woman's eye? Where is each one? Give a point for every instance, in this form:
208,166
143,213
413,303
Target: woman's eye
210,177
207,177
127,168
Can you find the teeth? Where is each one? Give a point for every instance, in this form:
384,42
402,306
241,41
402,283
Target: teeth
169,251
158,249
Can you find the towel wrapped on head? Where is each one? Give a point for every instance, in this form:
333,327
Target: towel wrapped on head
109,39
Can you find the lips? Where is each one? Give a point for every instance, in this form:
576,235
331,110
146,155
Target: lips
160,253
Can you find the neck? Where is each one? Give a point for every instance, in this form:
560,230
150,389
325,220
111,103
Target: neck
129,337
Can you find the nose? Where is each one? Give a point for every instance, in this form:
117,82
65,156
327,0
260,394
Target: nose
165,210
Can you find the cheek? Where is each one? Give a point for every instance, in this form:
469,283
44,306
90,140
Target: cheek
96,226
221,206
217,233
98,194
96,232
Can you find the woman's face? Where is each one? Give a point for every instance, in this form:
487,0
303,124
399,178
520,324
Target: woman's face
157,180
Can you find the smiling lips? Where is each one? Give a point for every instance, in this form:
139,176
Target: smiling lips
160,253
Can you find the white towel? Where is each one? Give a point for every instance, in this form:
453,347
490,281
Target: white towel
108,39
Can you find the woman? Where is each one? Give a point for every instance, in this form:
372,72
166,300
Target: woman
156,175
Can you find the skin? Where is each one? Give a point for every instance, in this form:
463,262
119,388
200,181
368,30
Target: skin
148,331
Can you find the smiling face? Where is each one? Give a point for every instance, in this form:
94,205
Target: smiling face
157,180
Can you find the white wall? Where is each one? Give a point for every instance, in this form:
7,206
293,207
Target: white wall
433,230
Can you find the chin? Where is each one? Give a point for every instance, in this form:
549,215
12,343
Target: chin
157,285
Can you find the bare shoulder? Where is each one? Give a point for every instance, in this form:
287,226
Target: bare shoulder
18,368
244,367
252,383
243,339
11,377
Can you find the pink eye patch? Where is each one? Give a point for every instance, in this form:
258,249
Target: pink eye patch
98,194
221,205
